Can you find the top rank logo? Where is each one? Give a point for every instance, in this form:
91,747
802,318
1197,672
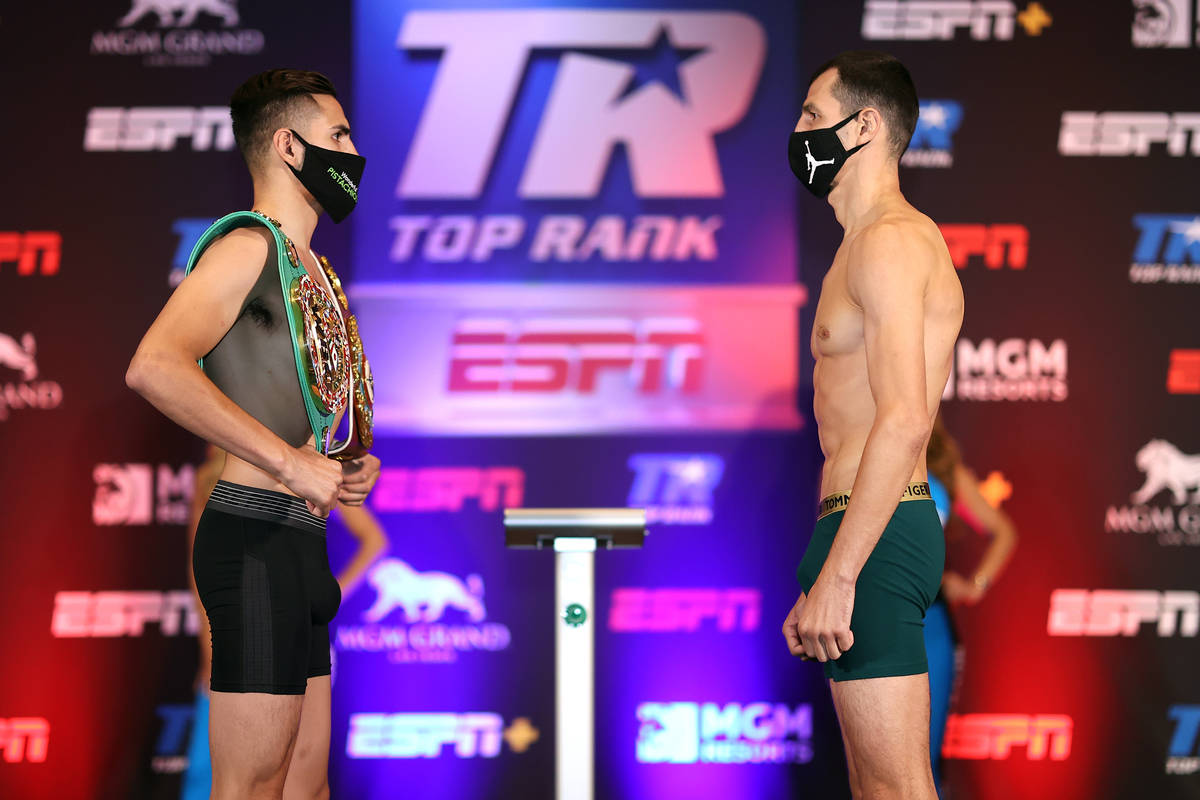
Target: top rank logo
931,145
654,86
1164,23
932,20
675,489
1167,250
597,101
179,33
1183,753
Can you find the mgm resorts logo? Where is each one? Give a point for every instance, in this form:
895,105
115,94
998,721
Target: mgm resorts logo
1176,522
179,33
422,599
733,733
1008,370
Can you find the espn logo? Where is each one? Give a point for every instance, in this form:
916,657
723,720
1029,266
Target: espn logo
556,355
1183,374
1079,612
1000,245
1128,133
158,128
33,251
24,739
993,736
113,614
684,610
447,488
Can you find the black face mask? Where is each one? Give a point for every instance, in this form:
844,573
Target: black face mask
810,151
332,177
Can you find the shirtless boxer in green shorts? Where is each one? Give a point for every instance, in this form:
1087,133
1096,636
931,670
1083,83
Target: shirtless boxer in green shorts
889,312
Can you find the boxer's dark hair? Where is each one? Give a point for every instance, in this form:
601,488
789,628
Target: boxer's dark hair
870,78
277,98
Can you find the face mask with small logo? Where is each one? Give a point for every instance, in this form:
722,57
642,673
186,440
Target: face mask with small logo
816,156
331,176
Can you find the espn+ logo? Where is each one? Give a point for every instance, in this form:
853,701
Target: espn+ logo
472,734
940,20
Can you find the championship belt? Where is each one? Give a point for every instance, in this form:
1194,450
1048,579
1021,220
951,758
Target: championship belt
362,400
320,341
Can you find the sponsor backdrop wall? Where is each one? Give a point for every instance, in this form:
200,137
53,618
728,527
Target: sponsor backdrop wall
585,278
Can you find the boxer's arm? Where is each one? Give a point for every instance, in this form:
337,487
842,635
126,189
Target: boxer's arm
888,273
198,314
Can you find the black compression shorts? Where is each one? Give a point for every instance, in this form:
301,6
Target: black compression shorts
263,577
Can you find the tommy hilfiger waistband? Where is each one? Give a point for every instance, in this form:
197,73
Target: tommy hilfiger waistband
248,501
839,501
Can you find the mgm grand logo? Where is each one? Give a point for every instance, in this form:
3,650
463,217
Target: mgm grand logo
20,386
406,621
179,33
1174,519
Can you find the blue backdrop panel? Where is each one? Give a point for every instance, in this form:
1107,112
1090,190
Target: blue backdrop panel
449,644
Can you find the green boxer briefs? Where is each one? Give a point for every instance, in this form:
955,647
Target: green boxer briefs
894,590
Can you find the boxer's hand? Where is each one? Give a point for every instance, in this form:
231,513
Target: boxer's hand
314,477
824,624
791,633
358,476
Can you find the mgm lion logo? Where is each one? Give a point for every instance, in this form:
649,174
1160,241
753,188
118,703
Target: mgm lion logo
1167,468
187,10
19,355
424,596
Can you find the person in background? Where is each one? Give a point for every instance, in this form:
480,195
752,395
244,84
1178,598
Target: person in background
956,490
372,544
